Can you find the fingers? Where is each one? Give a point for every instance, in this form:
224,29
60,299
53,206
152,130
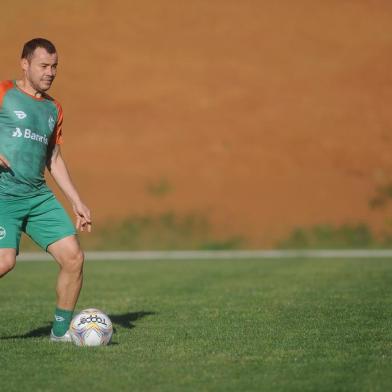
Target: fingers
83,217
4,162
83,221
78,223
88,224
84,224
87,217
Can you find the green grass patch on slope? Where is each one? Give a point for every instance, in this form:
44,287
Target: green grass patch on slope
335,237
166,231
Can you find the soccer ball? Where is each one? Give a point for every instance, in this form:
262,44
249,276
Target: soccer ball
91,327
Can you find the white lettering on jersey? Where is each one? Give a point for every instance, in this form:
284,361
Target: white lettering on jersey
29,134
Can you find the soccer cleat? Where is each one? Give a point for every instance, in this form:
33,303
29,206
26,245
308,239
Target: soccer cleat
65,338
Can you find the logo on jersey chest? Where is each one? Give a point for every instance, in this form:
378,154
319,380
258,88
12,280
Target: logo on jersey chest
29,134
51,123
20,114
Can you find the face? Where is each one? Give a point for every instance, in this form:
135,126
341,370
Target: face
41,69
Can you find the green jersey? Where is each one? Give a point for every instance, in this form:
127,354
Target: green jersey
29,129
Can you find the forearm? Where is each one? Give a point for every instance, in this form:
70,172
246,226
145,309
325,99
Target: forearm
60,174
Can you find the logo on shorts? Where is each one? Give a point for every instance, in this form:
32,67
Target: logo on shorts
3,233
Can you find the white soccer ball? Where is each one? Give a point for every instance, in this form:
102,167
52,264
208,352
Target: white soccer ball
91,327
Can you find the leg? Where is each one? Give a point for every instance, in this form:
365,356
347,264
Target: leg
70,258
51,228
12,215
7,260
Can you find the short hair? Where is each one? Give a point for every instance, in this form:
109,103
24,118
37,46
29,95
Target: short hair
30,46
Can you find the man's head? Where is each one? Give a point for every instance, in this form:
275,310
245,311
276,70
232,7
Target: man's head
39,63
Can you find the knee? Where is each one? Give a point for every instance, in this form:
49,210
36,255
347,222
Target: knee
7,263
74,262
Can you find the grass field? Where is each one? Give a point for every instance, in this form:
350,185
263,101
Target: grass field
270,325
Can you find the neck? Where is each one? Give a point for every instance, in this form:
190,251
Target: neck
26,86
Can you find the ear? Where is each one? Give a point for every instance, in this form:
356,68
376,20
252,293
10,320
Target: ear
24,63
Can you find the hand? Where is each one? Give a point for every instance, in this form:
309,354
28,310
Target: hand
4,163
83,217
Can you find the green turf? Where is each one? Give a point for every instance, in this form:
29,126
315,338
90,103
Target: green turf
271,325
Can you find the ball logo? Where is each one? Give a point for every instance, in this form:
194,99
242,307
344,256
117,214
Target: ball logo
92,319
3,233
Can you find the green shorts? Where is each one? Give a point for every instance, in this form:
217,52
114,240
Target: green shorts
41,217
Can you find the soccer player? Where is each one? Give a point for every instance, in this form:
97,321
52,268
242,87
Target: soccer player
30,139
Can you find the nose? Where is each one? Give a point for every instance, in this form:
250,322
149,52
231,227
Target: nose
51,71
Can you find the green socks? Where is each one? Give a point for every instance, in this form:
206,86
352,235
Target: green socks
62,320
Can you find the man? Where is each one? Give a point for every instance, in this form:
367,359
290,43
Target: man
30,139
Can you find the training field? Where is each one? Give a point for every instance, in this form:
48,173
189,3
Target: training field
239,325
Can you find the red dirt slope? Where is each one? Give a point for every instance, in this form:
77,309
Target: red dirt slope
261,115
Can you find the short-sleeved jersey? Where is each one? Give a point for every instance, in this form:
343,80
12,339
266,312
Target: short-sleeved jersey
29,128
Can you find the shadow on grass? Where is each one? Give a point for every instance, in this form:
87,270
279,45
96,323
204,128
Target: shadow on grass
35,333
124,320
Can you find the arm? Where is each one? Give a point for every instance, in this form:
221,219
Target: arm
59,172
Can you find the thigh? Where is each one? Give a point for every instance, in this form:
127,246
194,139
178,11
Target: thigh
48,222
66,250
8,257
12,217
